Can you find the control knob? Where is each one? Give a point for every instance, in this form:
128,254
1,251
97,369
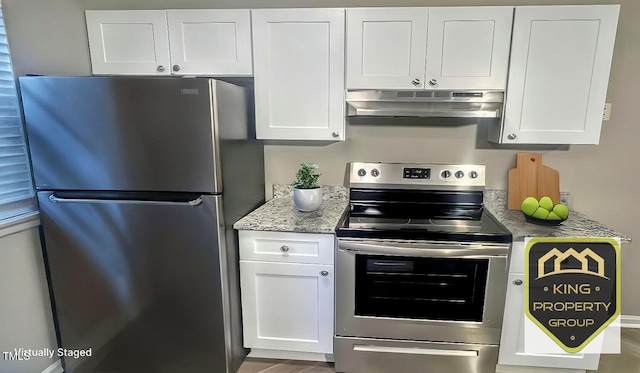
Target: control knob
362,172
473,174
459,174
375,172
445,174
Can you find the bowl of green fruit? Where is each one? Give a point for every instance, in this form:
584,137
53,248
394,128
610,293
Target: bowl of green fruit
544,212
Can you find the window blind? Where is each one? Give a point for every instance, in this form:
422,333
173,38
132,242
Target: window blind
17,196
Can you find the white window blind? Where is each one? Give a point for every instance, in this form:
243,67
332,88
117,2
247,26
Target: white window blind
17,196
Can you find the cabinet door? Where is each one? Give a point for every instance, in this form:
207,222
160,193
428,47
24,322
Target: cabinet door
299,73
512,339
128,42
560,62
210,41
386,48
468,48
287,306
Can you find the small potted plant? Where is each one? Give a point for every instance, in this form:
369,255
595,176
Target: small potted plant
307,194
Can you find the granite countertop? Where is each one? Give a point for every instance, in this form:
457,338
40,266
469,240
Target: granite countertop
577,225
280,214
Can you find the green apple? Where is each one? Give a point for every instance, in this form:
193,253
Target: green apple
529,205
561,210
541,213
547,203
553,216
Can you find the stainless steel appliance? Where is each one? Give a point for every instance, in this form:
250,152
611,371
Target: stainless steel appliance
421,271
139,181
425,103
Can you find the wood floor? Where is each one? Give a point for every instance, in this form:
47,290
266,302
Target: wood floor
626,362
252,365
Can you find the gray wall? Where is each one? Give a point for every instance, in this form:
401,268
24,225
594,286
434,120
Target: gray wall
48,37
26,320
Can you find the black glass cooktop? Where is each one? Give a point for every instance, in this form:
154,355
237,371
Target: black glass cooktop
419,215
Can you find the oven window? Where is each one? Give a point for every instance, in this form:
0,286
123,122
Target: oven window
420,288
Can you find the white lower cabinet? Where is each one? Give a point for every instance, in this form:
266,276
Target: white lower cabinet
287,307
512,357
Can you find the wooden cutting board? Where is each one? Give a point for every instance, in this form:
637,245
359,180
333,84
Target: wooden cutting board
531,178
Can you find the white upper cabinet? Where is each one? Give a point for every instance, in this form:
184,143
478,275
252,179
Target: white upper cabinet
210,40
180,42
299,73
386,47
560,62
128,42
468,47
433,48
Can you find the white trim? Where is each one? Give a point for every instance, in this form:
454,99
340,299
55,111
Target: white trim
289,355
19,223
56,367
630,321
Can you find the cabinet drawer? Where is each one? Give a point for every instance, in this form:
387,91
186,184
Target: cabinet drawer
364,355
287,247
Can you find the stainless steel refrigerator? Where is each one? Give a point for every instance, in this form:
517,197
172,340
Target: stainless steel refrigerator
139,181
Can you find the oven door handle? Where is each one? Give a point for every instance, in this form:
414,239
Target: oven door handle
453,250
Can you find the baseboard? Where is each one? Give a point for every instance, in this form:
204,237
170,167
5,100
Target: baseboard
630,321
289,355
56,367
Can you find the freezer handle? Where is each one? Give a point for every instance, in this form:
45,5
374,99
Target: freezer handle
55,199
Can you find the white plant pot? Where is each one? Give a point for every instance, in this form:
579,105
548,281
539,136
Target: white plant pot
307,199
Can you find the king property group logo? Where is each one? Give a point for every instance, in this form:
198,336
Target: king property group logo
572,288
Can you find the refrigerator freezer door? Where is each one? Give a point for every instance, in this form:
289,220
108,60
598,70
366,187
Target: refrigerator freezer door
139,283
121,133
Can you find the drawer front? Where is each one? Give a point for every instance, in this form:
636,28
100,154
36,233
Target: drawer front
287,247
360,355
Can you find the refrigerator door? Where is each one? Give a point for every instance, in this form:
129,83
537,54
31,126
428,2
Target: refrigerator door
139,283
121,133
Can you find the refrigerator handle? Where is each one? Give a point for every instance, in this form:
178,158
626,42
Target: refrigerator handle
55,199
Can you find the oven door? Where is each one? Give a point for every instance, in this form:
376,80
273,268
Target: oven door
428,291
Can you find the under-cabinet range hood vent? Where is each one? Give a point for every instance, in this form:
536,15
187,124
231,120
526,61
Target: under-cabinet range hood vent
425,103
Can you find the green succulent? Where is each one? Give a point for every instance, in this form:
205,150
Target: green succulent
306,176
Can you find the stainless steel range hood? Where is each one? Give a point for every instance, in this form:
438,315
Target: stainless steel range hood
425,103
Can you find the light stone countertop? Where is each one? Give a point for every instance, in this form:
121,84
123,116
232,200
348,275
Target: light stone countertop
577,225
281,215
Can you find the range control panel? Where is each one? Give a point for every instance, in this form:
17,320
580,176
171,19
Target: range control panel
416,175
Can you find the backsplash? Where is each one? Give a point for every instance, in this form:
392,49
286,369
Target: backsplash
328,191
342,192
499,197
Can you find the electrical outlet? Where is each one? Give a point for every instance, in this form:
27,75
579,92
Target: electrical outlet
606,115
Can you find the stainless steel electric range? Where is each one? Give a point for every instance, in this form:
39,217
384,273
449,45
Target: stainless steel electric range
421,271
